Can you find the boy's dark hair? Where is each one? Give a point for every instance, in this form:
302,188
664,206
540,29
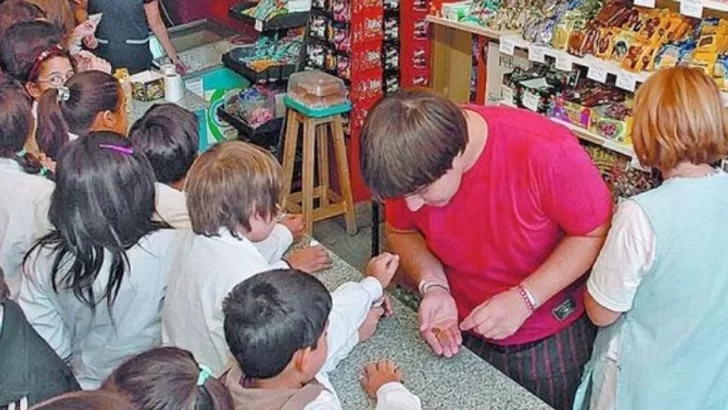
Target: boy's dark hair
168,135
165,378
271,316
24,43
103,205
409,140
17,11
229,184
90,93
16,123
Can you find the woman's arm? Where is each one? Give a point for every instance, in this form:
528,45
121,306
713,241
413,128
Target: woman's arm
627,255
80,11
154,19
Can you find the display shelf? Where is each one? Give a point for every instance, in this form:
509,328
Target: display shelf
470,28
280,22
271,74
253,134
586,135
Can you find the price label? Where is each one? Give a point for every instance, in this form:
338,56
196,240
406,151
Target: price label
563,62
626,81
645,3
597,72
507,46
691,8
531,100
536,54
258,25
507,95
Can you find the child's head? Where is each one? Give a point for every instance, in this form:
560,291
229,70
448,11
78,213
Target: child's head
168,136
16,124
234,186
90,101
103,200
275,323
16,118
679,117
17,11
168,378
86,400
31,53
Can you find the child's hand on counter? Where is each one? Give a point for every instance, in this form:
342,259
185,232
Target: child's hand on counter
296,224
377,374
383,268
309,260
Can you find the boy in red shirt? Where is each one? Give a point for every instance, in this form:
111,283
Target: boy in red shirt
496,214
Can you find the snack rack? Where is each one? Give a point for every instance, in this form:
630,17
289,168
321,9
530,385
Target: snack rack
345,39
273,77
415,43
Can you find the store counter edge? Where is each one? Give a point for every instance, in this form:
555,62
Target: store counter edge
465,382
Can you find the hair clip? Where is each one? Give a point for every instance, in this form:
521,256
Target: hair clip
205,374
118,148
64,94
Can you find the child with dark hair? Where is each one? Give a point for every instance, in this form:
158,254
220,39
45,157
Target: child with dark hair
168,136
32,371
93,287
87,400
26,191
168,378
232,193
285,345
17,11
32,54
89,101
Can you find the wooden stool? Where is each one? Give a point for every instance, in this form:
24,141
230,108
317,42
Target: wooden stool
316,130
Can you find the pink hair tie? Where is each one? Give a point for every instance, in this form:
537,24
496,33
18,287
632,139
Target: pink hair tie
118,148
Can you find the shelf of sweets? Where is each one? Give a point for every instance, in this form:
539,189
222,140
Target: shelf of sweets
469,27
610,39
587,135
275,20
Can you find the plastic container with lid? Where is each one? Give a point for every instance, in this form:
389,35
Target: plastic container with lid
316,89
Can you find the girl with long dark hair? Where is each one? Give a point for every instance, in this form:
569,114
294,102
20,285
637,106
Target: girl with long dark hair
93,287
26,191
169,378
89,101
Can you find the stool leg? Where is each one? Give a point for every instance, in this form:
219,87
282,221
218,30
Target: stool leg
309,162
289,153
344,181
322,136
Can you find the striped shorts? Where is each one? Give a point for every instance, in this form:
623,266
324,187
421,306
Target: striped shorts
550,368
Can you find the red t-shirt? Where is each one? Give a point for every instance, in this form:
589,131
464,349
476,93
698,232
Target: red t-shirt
532,184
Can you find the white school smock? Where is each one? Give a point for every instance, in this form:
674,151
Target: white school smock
206,270
171,207
22,199
351,303
95,344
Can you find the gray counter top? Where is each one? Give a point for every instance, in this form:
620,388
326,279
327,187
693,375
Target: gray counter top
190,101
465,382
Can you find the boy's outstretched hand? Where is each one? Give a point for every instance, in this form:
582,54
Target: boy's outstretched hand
377,374
309,260
296,224
383,268
369,327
